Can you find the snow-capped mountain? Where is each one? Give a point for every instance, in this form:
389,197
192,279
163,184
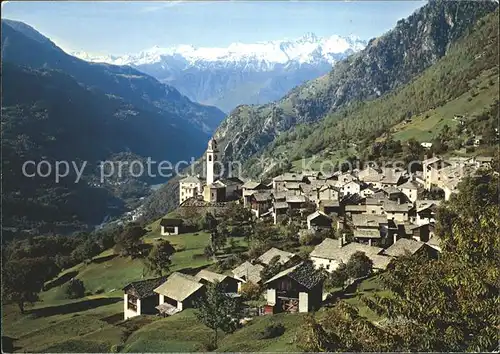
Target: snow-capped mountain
240,73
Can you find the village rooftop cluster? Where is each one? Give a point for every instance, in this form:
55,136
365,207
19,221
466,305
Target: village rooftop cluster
379,212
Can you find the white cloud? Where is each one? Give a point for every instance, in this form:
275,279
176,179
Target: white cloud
160,6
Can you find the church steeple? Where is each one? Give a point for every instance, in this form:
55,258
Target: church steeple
212,153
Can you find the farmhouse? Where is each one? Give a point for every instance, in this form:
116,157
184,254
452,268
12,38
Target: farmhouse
369,227
171,226
228,283
249,188
330,207
178,292
318,221
405,246
248,272
189,187
260,203
139,297
425,211
410,189
330,253
284,256
296,289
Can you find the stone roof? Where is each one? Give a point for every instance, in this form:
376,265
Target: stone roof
425,204
350,208
292,185
435,241
231,181
329,249
396,207
304,273
316,214
190,179
380,261
281,195
179,286
273,252
329,203
171,222
289,177
251,185
217,184
280,205
295,199
368,220
375,201
262,196
402,246
391,176
144,288
392,190
409,185
212,277
431,160
366,233
248,272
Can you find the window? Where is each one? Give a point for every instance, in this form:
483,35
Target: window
209,157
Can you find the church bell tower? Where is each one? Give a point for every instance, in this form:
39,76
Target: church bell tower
212,153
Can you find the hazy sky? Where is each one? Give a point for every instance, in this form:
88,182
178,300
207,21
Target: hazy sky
128,27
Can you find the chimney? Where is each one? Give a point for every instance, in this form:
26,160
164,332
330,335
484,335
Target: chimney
395,237
341,239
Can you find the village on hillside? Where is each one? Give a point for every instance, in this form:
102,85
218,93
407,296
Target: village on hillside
378,212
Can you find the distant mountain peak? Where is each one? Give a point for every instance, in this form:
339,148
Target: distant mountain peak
308,48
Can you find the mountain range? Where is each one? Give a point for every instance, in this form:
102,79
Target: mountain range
240,73
387,63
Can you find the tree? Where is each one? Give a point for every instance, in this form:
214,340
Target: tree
218,311
342,329
129,241
338,277
209,222
218,237
451,303
271,269
359,265
159,258
86,250
75,289
23,279
250,291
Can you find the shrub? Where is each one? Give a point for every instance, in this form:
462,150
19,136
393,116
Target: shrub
272,331
74,289
116,348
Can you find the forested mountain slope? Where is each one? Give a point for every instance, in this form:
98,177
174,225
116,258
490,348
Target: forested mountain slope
59,108
20,42
388,62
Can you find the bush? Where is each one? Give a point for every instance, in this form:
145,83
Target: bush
116,348
272,331
74,289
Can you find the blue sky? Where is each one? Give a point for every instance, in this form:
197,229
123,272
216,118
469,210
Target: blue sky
129,27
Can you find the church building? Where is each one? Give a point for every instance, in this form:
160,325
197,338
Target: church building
212,190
